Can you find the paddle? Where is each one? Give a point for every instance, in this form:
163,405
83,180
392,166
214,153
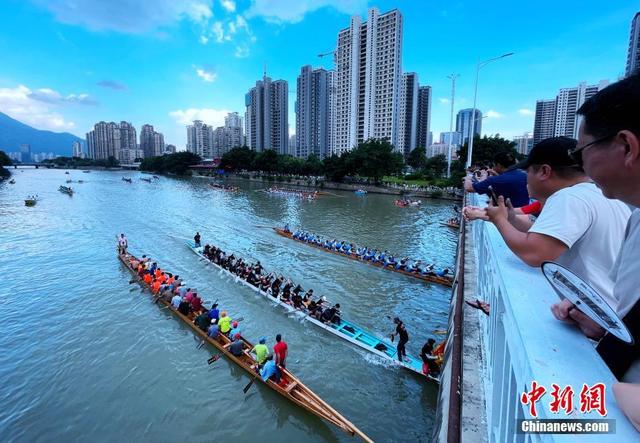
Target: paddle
246,388
214,358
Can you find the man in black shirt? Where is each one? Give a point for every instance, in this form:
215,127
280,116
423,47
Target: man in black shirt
403,338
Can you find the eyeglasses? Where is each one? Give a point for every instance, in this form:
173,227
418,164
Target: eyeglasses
576,153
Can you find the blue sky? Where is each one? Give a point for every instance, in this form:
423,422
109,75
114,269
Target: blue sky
67,64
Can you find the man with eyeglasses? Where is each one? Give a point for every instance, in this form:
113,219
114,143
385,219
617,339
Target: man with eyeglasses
578,227
609,150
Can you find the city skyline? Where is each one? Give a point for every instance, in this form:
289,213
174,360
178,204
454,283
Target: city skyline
197,61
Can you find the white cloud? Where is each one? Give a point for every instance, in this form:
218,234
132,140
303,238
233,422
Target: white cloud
242,51
19,103
444,101
229,5
141,16
54,97
218,31
493,114
214,117
204,39
208,76
293,11
525,111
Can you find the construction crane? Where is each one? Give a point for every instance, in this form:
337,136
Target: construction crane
326,53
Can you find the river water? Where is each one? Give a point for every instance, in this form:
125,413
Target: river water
85,356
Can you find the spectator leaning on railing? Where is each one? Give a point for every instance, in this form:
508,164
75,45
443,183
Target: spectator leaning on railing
609,148
578,227
509,182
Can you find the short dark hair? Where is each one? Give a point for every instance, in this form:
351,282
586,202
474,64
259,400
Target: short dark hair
278,337
614,108
505,159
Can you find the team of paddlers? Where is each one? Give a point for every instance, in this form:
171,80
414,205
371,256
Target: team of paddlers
384,258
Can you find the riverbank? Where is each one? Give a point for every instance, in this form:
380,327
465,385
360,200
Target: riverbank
321,184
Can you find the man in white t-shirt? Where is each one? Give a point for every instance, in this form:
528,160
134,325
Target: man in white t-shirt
609,148
578,227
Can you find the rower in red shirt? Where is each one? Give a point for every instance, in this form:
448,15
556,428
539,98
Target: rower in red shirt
280,351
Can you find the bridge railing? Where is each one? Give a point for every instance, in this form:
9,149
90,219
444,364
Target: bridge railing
521,342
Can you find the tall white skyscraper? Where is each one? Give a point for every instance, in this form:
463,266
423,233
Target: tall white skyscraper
151,142
524,143
544,124
424,117
557,117
113,140
567,103
199,139
463,123
633,55
408,114
76,150
368,75
227,137
266,118
313,113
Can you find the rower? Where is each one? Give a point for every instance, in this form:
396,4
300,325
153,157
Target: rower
332,314
280,350
123,244
443,273
403,338
235,329
237,346
213,331
175,301
270,370
429,365
196,239
261,351
224,323
203,321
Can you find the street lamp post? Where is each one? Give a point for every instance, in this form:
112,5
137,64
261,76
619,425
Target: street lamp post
453,78
475,99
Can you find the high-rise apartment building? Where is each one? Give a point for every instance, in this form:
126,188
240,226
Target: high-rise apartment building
199,139
368,76
113,140
633,55
313,102
423,119
408,114
524,143
557,117
227,137
266,117
455,137
544,123
25,152
76,149
463,123
151,142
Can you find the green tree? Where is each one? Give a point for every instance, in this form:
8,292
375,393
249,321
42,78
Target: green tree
376,158
4,159
435,166
177,163
336,167
237,159
417,158
485,148
266,161
312,166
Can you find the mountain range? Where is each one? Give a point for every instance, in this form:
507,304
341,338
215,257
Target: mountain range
14,133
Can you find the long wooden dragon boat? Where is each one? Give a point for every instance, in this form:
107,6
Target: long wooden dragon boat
294,389
344,329
446,281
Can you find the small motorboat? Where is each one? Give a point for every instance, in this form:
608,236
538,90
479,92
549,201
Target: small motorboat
12,182
69,181
360,192
148,180
66,190
80,181
31,201
128,180
156,177
66,172
86,172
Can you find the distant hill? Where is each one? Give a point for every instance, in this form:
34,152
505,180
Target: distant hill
14,133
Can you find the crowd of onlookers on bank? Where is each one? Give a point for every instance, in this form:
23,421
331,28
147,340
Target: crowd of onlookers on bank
575,202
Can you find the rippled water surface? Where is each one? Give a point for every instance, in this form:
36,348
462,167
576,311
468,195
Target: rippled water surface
85,356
